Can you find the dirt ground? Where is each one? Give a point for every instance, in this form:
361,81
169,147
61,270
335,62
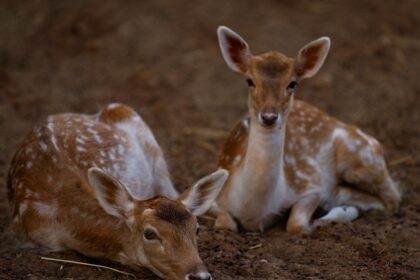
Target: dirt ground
162,58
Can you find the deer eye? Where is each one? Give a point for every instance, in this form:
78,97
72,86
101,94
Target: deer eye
150,234
197,231
292,85
250,83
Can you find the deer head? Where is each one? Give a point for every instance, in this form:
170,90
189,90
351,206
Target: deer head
272,77
163,232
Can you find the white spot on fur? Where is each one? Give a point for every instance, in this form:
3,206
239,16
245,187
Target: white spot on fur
290,145
246,123
80,140
45,210
303,176
370,158
341,133
237,159
112,156
113,106
97,138
372,141
23,207
81,149
28,164
129,206
44,146
50,126
147,211
28,193
121,149
352,145
301,128
290,160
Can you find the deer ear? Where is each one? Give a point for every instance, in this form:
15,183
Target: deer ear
202,194
311,57
234,49
112,195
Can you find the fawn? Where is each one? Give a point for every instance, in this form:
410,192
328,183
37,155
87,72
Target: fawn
288,154
96,184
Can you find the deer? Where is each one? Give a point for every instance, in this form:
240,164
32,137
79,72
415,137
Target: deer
287,155
99,185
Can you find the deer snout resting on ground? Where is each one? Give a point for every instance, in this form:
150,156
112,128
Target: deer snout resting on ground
287,154
98,184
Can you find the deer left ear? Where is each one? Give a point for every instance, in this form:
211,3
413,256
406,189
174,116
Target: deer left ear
311,57
199,198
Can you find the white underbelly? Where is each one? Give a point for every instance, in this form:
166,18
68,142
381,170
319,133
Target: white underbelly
255,201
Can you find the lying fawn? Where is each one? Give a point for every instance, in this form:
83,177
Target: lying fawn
288,154
90,183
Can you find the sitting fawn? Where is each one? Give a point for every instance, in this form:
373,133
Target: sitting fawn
99,185
289,155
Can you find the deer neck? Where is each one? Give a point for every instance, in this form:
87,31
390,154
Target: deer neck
263,163
264,157
262,182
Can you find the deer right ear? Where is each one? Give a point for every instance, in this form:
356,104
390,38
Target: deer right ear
234,49
112,195
311,57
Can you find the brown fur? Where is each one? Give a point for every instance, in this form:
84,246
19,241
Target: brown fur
272,65
117,113
172,212
235,144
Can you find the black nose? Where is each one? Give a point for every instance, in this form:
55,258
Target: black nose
199,276
269,119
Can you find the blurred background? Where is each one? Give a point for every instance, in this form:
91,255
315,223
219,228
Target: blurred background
162,58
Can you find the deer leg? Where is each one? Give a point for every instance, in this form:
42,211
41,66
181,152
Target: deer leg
223,219
299,222
338,214
361,200
350,201
365,170
375,182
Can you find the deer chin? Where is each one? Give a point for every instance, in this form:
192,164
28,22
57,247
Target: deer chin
270,127
273,127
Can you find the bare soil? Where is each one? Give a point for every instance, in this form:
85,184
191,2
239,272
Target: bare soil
162,58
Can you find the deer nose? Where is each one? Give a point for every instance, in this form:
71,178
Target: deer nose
203,275
268,119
